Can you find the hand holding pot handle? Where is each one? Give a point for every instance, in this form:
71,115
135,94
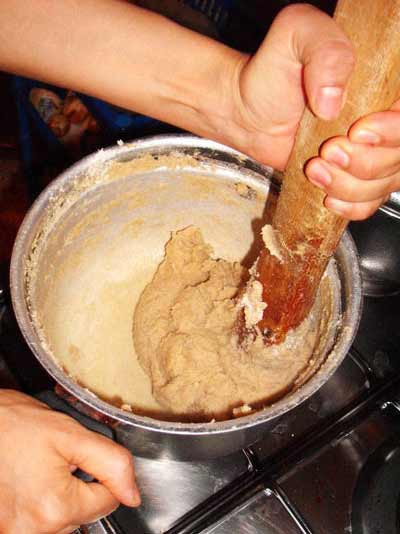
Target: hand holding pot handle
55,402
40,449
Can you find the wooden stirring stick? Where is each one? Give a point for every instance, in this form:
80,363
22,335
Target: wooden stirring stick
308,232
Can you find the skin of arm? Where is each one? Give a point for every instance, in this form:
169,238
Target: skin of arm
141,61
123,54
144,62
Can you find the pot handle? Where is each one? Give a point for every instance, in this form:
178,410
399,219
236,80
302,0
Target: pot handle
60,405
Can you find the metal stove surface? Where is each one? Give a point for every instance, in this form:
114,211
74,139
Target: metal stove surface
325,468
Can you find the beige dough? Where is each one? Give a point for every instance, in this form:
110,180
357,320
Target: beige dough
185,338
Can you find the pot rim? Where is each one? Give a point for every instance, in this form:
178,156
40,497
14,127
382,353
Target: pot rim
20,254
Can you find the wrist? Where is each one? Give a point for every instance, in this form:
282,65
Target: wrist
172,74
216,113
192,82
135,59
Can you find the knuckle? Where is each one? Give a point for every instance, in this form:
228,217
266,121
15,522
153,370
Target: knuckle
369,169
340,140
346,186
64,424
337,52
71,426
294,11
288,17
335,47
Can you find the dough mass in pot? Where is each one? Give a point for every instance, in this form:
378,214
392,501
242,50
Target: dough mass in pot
184,335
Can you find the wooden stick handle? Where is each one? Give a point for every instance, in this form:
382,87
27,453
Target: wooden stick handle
308,231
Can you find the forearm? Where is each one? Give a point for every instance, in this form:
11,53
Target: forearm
123,54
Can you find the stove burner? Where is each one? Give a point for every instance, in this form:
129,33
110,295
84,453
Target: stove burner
376,498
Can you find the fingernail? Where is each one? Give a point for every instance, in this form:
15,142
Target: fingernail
137,502
337,206
329,102
337,156
366,136
133,497
319,175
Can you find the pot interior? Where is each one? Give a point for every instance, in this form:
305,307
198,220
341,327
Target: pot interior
99,232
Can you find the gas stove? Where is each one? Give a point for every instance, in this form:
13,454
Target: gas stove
330,466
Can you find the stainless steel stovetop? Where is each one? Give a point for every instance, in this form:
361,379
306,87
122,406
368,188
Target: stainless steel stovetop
330,466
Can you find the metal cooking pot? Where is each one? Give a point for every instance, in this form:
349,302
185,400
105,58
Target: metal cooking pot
67,213
377,240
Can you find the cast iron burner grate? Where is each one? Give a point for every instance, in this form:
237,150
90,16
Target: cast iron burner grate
323,468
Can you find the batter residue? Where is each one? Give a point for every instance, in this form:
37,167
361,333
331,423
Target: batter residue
185,338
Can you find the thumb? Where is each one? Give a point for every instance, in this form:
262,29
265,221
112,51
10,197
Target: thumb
328,59
88,502
110,463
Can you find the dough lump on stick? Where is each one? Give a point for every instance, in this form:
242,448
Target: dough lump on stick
185,336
